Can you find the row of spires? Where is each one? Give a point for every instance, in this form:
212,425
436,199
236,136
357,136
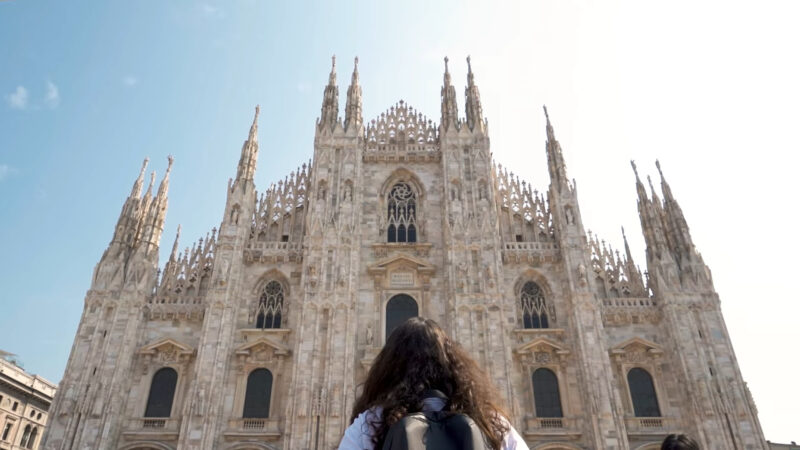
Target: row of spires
663,224
329,114
142,218
664,227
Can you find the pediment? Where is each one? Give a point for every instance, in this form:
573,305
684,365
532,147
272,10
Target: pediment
397,262
637,344
166,345
542,344
261,344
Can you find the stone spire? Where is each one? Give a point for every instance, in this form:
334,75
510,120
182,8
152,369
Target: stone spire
555,158
174,255
330,101
634,274
352,116
249,157
163,188
157,211
449,105
650,217
676,223
136,191
129,221
473,101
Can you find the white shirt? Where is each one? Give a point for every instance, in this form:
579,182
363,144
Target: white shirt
358,436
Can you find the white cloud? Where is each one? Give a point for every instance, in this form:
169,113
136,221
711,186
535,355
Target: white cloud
130,81
19,98
52,98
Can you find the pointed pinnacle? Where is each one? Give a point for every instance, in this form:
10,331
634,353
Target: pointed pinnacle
652,190
137,185
332,77
469,65
174,253
658,166
546,116
254,126
354,77
633,164
144,166
150,186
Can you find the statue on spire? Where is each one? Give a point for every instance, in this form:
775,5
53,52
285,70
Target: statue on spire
137,185
474,109
555,158
353,118
449,105
330,101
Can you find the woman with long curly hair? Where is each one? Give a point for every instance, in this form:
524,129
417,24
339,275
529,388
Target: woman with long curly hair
421,369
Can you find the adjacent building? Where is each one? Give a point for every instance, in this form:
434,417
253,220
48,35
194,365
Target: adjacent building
24,402
258,336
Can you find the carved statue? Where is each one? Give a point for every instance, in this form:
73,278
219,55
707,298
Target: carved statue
582,274
370,335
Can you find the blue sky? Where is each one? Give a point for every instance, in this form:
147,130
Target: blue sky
88,89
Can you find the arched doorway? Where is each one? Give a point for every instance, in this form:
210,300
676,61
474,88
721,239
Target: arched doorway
399,308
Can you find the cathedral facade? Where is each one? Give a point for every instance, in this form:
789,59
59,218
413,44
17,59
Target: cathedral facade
258,336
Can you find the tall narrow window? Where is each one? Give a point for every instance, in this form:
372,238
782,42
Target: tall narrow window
270,306
258,394
643,393
32,439
402,214
545,393
399,309
24,441
534,308
6,431
162,392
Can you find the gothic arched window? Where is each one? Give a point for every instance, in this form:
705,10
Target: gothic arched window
545,393
32,439
162,392
643,393
24,441
270,306
534,308
258,394
402,214
399,309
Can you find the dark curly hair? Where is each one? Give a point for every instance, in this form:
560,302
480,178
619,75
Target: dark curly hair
419,356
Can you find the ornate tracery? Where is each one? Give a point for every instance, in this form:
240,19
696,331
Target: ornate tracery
402,214
270,306
535,313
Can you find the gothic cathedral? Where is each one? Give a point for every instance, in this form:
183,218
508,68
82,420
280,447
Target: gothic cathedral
259,335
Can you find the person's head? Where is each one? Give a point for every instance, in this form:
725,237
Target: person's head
419,356
679,442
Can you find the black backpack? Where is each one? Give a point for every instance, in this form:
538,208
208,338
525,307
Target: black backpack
439,430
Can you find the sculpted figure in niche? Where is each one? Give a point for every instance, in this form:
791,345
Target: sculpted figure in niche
582,274
570,217
348,192
370,335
